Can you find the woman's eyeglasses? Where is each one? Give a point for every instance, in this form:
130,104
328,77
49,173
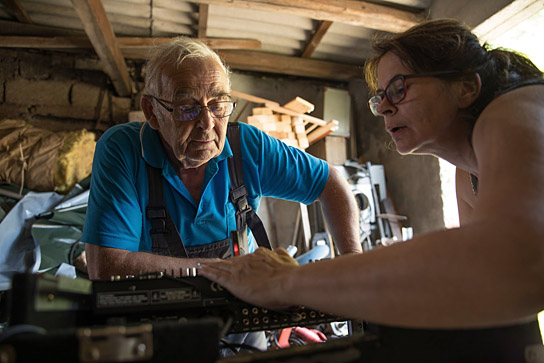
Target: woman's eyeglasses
395,91
190,112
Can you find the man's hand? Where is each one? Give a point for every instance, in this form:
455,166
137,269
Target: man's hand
259,278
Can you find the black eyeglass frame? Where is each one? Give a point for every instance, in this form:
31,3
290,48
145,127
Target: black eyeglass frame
196,105
375,101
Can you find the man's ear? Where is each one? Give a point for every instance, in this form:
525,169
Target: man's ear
149,112
470,90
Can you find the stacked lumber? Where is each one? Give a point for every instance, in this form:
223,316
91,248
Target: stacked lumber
289,129
289,123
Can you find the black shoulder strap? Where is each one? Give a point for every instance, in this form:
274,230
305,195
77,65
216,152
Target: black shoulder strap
164,234
245,215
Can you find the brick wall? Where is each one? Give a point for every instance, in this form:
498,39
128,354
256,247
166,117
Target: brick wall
62,91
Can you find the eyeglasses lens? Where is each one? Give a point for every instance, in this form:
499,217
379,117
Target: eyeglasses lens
396,91
374,102
191,112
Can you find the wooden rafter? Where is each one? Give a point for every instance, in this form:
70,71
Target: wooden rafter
100,33
316,38
17,10
360,13
203,10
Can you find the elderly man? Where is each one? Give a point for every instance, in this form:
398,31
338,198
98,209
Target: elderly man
160,189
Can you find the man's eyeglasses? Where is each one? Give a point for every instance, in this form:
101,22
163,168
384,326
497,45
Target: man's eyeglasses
395,91
190,112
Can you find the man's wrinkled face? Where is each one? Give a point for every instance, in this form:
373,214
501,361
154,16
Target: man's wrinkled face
198,81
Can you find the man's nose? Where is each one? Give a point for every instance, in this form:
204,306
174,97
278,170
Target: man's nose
205,119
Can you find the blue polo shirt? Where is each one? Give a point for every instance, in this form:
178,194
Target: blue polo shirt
119,186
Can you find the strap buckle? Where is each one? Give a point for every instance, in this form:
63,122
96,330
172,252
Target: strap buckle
157,217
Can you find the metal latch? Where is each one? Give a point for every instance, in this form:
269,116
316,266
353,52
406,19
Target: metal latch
116,343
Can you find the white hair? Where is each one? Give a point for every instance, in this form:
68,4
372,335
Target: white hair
175,52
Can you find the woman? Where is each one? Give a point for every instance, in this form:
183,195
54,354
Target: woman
441,93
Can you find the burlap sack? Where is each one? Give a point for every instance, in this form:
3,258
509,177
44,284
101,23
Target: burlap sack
43,160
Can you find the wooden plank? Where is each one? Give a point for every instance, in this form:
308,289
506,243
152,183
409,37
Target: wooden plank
299,105
15,7
99,30
359,13
316,38
124,43
274,63
45,42
203,10
322,131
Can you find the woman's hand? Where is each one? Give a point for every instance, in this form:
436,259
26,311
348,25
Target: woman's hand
259,278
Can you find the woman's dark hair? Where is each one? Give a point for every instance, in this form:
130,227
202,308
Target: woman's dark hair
447,44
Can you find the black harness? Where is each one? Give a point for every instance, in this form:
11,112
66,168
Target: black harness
165,237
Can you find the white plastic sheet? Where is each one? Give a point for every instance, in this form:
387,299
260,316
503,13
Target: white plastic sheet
18,250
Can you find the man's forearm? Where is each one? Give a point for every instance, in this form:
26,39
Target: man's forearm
341,213
104,262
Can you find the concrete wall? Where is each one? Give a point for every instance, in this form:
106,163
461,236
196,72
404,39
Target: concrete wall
58,91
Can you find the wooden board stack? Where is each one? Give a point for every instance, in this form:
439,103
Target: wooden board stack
290,122
287,128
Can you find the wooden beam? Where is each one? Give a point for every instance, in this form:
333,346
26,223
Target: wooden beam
203,10
9,41
214,43
17,10
273,63
359,13
316,38
126,44
100,33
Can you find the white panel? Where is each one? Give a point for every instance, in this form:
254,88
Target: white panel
127,8
263,38
53,9
175,5
350,30
335,40
253,27
129,21
127,30
261,16
165,27
174,16
56,21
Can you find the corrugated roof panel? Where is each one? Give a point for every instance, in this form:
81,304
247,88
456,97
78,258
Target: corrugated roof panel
237,14
175,5
127,8
174,16
160,28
